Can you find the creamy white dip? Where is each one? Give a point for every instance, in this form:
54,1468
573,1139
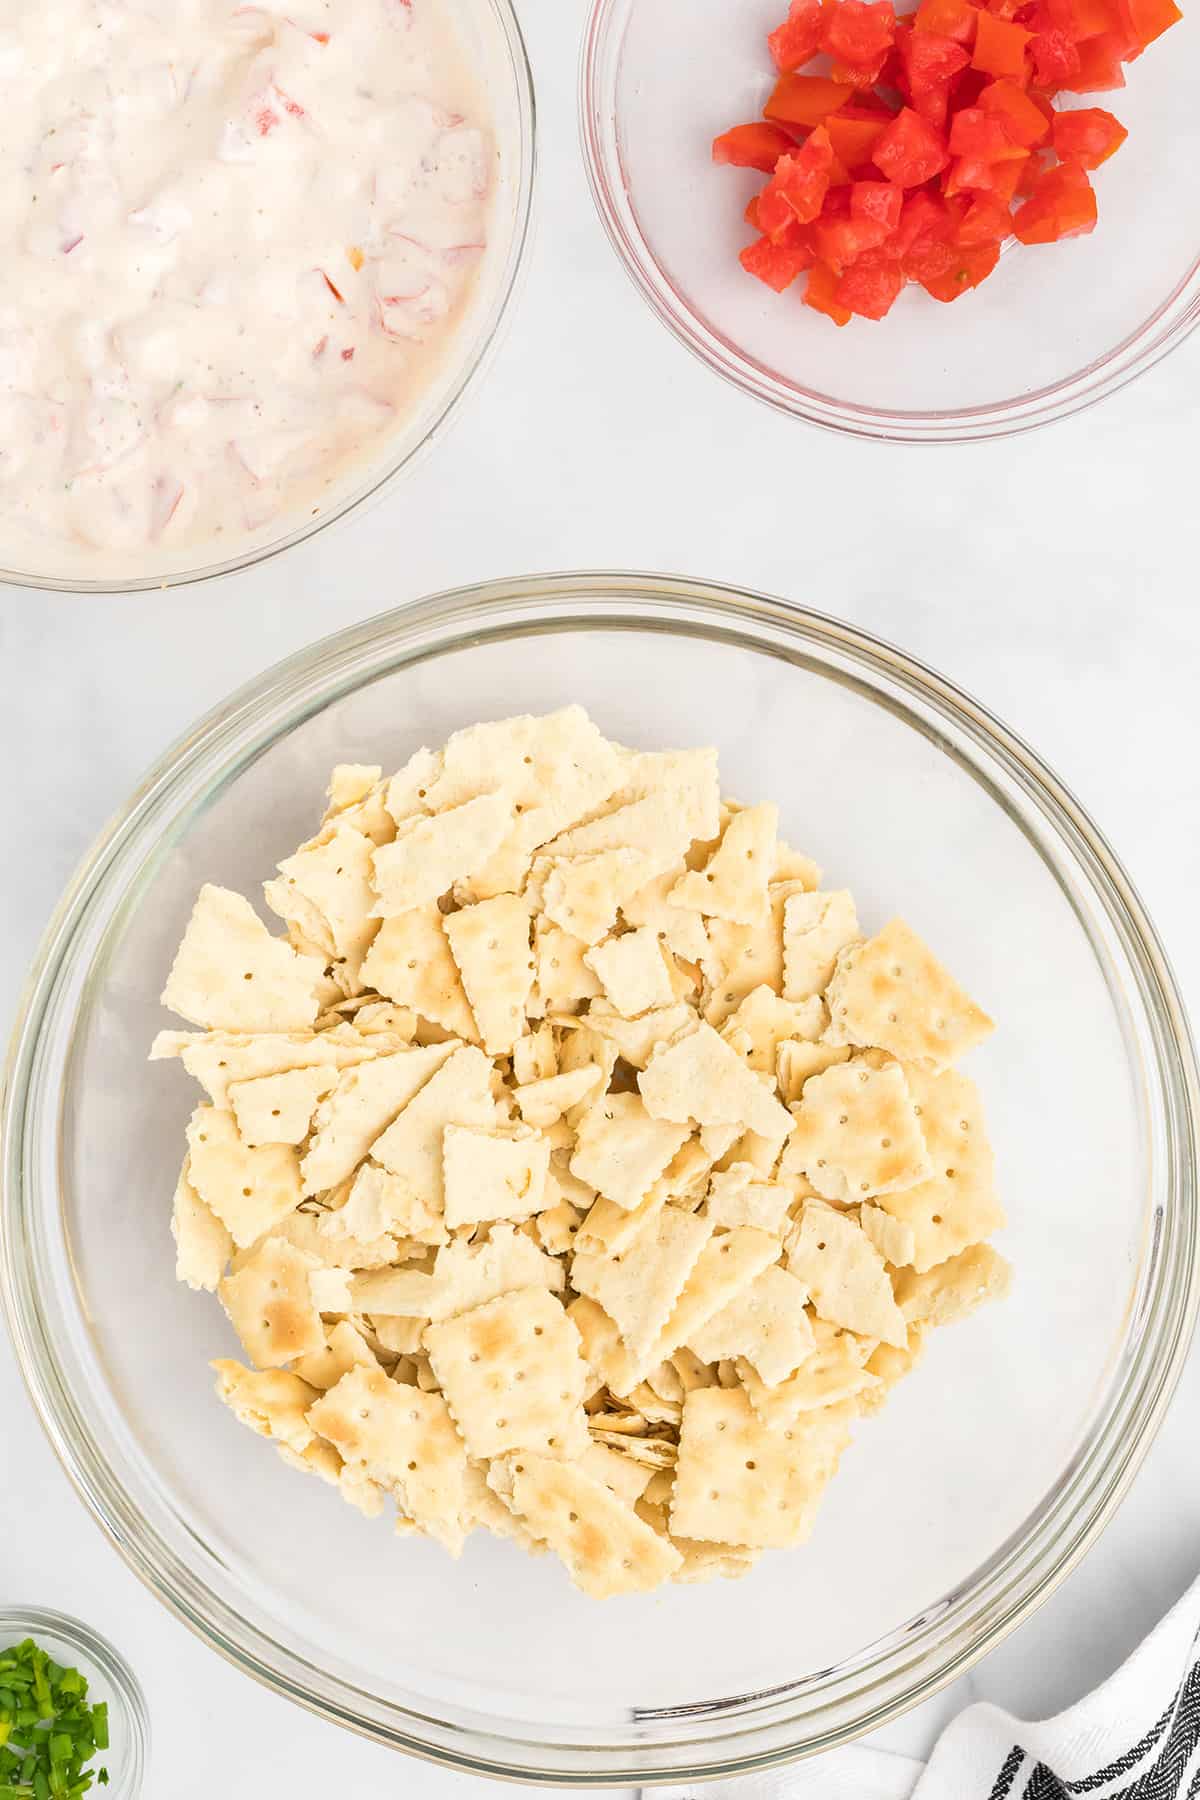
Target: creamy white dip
236,241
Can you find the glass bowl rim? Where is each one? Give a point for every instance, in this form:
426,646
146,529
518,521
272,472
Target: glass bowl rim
996,1597
1163,331
383,474
124,1685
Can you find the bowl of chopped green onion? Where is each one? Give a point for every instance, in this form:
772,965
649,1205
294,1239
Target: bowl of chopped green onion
72,1716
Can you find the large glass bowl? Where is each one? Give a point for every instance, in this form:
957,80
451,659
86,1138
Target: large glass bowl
495,51
956,1511
1055,328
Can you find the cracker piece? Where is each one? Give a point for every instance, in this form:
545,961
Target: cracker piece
543,1103
833,1374
487,1509
733,882
713,1562
578,1193
556,767
700,1077
680,927
512,1375
638,1288
738,1481
304,1231
766,1020
270,1306
857,1133
468,1275
737,1197
652,1453
633,972
490,944
892,992
766,1325
894,1239
405,1440
362,1107
688,778
218,1058
278,1109
488,1175
890,1365
535,1056
270,1401
558,1225
562,978
693,1372
743,957
407,792
609,1230
410,962
349,783
627,1479
796,1060
621,1150
606,1548
377,1204
727,1265
330,1290
398,1333
636,1040
582,894
344,1349
654,828
953,1290
604,1349
460,1093
407,1293
308,930
719,1141
664,1381
816,928
203,1244
957,1205
334,875
230,973
379,1018
504,872
425,861
845,1274
249,1189
793,865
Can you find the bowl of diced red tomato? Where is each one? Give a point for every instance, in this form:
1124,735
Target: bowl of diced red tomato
933,221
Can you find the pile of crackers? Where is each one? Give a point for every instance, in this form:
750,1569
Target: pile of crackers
572,1166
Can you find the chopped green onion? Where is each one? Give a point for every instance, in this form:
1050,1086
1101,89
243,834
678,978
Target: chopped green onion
48,1732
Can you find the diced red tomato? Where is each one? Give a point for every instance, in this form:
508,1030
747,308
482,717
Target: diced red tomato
871,286
1100,60
1023,118
968,268
1062,204
853,140
879,201
798,39
756,146
909,151
1145,20
858,33
947,18
986,221
802,178
776,264
1000,47
1091,135
820,291
805,99
1055,58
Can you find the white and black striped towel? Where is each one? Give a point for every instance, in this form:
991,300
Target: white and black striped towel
1136,1738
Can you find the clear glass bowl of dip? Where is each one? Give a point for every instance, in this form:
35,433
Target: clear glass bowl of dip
492,44
77,1646
1054,329
1000,1460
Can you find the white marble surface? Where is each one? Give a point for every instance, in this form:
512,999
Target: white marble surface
1053,575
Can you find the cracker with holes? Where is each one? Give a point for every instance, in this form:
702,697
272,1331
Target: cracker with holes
857,1133
893,993
573,1167
513,1376
410,962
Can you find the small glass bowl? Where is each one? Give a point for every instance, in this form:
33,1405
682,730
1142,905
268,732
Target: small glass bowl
492,42
955,1512
109,1677
1054,329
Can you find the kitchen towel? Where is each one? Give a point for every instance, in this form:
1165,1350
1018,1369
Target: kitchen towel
1137,1737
